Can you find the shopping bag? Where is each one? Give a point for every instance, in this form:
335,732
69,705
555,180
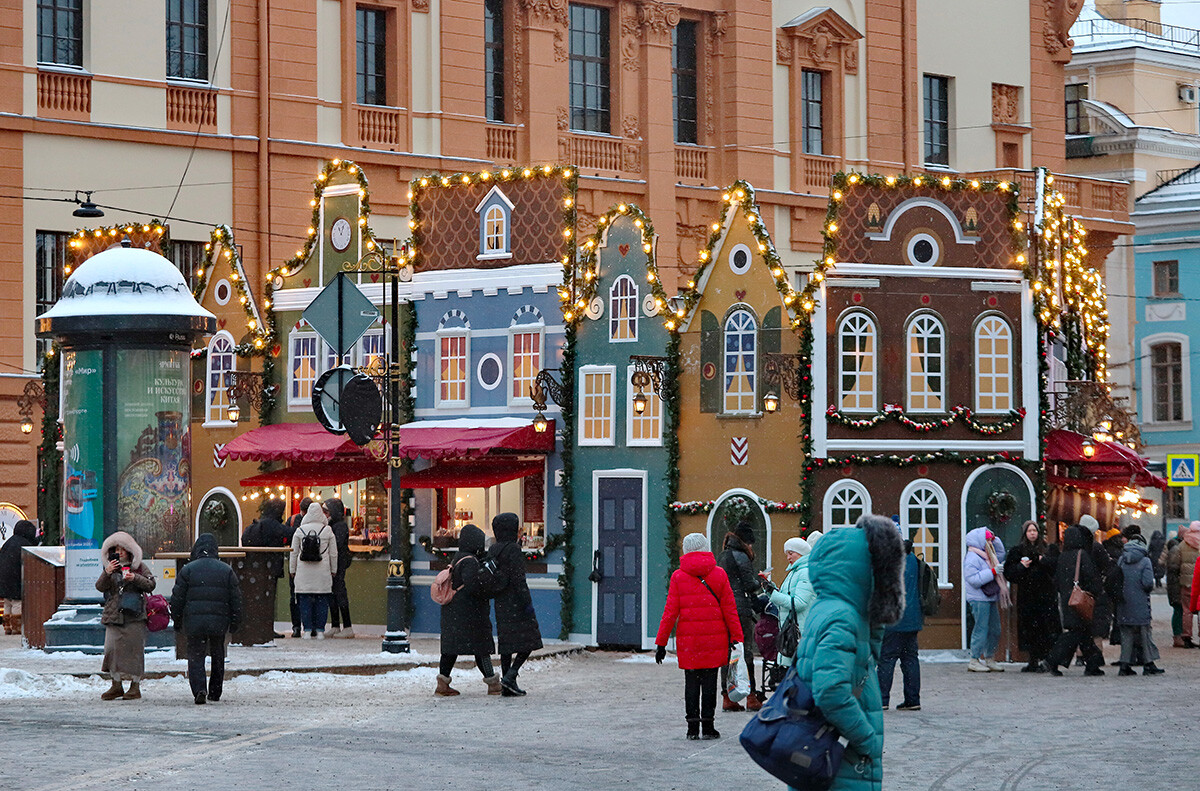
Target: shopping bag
737,685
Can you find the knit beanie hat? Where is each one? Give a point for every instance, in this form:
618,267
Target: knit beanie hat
797,545
695,542
1089,521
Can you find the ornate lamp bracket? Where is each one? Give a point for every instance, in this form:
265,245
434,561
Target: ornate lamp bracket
783,371
648,370
248,385
545,384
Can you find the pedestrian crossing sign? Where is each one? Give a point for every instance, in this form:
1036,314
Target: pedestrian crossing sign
1181,469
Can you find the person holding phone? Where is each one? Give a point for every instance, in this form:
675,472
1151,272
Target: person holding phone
124,581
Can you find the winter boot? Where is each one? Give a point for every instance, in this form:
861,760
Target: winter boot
113,692
1125,670
753,703
346,634
693,732
1093,671
493,684
444,690
509,688
134,692
729,705
707,731
1033,667
1177,642
1051,668
201,698
16,623
1187,642
1152,669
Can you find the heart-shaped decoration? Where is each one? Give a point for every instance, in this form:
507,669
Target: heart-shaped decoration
307,282
221,323
740,294
374,277
624,248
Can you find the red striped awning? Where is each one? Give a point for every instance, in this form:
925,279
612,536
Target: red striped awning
475,473
470,438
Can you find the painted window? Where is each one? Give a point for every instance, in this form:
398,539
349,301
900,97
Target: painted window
493,60
1166,382
220,363
526,363
331,358
684,72
926,364
937,120
845,502
372,349
993,365
452,369
371,56
856,363
645,429
741,356
589,69
812,115
1175,503
187,39
623,310
597,404
495,236
60,32
1073,96
923,519
303,370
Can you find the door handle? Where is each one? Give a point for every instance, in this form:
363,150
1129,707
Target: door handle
597,568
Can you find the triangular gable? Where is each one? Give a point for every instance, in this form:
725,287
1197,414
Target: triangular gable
494,192
222,259
344,181
822,20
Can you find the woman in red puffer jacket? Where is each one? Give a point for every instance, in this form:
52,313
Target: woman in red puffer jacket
702,612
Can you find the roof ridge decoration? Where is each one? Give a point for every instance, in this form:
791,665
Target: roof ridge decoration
222,246
304,255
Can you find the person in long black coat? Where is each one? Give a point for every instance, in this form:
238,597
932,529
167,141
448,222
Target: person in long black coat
1077,546
516,621
1031,568
466,619
11,587
268,531
206,604
339,605
737,557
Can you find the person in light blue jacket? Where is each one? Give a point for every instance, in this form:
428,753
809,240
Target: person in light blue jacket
795,593
983,589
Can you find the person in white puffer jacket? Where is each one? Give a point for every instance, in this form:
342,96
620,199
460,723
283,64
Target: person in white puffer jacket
314,578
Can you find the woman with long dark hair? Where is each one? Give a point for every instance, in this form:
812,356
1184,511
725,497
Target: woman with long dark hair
1031,568
737,559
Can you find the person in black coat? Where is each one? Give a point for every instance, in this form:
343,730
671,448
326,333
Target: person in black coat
268,531
11,561
1077,547
466,619
737,558
1031,568
339,606
1157,542
516,621
206,603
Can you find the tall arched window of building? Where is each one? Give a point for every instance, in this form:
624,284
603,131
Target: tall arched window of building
741,362
923,520
623,310
856,363
993,365
926,370
220,366
845,502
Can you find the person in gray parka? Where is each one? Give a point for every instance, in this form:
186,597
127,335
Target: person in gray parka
1133,611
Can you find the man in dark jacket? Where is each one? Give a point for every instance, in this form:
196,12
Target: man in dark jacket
1077,552
11,588
737,559
516,621
206,604
292,526
339,606
900,640
268,531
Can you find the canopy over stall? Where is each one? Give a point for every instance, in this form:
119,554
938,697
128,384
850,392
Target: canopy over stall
1097,478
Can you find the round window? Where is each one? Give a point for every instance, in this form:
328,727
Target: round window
923,250
490,372
222,291
739,259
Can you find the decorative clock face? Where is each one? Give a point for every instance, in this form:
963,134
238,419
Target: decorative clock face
339,234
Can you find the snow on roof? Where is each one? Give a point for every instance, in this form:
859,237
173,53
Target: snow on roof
123,281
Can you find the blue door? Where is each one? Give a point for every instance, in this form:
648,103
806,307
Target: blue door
619,591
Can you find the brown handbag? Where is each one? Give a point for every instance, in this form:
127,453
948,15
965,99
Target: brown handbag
1082,602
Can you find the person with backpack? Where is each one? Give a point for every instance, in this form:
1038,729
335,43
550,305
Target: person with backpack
206,605
466,617
1030,566
516,621
900,640
339,605
737,558
293,524
795,594
701,610
11,563
313,563
1133,608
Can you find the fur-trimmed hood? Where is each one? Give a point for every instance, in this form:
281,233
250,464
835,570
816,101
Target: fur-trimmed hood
863,566
126,542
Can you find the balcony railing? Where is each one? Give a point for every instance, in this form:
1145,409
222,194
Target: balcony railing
593,152
691,163
1105,31
817,172
501,143
1097,199
191,108
61,94
379,125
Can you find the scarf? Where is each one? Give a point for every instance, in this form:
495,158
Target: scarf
1004,599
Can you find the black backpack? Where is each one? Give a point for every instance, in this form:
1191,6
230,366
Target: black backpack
931,597
310,547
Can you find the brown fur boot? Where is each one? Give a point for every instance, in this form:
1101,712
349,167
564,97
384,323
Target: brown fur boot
729,705
134,693
16,624
113,692
444,690
493,684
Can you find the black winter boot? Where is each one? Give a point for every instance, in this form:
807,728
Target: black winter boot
509,688
707,731
693,731
1125,670
1152,669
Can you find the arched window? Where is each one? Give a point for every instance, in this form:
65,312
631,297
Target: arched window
741,355
923,519
845,502
993,365
856,363
623,310
220,364
494,235
926,364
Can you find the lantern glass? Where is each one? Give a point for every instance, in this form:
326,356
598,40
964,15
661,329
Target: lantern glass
540,423
771,402
235,413
26,426
639,403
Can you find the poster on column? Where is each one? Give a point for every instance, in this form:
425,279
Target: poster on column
83,463
153,457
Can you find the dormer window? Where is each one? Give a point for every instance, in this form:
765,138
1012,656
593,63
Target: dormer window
495,226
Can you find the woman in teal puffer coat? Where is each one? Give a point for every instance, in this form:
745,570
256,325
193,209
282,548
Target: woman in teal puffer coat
858,576
796,592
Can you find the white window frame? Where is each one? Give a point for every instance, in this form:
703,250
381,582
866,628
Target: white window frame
654,406
494,238
484,211
441,335
858,356
942,543
212,393
752,376
832,492
302,401
330,360
615,316
1147,400
611,371
538,329
995,378
909,334
360,348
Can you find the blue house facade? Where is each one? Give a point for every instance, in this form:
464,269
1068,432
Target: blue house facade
1167,281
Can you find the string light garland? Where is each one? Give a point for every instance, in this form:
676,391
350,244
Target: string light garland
86,242
909,459
296,262
896,412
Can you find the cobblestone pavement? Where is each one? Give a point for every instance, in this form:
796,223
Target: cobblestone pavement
591,721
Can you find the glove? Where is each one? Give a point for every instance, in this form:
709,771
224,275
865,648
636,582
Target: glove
660,653
768,586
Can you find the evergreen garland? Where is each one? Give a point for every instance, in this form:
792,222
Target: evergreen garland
49,457
566,578
671,399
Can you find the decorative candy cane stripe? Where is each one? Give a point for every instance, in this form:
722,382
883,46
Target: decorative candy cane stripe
739,451
454,313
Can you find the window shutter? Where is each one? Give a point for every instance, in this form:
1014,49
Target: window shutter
711,387
199,394
770,340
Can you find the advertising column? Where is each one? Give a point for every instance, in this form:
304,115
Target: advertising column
83,460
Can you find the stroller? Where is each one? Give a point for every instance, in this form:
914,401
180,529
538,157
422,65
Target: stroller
766,633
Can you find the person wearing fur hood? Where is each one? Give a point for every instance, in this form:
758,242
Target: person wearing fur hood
986,592
125,581
858,574
314,578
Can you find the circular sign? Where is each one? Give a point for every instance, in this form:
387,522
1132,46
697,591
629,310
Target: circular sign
327,397
340,234
362,409
10,514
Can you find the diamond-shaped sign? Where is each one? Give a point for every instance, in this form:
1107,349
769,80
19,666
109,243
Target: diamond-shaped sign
341,313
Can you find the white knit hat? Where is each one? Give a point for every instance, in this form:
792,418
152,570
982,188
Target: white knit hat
798,545
813,538
695,542
1089,521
